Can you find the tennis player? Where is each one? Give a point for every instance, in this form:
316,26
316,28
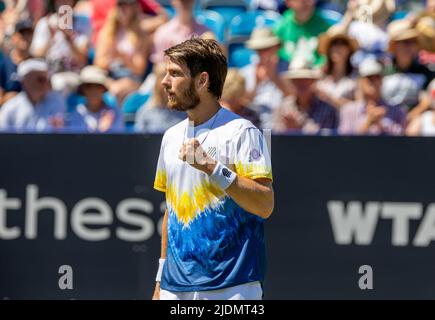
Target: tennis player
215,170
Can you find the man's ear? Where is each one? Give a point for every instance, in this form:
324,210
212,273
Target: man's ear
202,81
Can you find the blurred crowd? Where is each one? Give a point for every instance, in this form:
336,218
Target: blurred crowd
295,66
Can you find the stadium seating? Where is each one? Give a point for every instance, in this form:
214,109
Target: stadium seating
238,55
228,9
239,30
332,16
214,21
167,4
130,106
243,24
133,102
398,15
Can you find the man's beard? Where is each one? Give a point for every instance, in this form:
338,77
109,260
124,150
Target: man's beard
188,100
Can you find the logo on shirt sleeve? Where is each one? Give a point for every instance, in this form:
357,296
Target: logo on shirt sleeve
226,173
254,155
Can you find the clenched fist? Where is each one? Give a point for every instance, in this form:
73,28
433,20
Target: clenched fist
192,152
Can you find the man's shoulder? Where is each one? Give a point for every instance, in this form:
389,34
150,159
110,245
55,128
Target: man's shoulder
235,124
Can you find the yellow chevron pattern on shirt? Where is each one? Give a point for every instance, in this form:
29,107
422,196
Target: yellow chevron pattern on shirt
188,206
253,171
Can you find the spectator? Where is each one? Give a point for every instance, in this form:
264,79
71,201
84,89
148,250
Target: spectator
299,29
425,25
366,21
304,111
154,116
36,108
94,115
265,88
20,40
11,13
338,86
180,28
424,124
370,114
406,76
155,15
64,49
123,49
234,97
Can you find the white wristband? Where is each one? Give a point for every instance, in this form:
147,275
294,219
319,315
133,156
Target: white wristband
160,271
222,176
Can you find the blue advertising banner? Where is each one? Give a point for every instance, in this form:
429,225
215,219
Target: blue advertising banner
354,217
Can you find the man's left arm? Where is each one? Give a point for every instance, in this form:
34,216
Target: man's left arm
255,196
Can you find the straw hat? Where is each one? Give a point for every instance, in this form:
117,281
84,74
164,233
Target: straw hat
301,68
380,10
262,38
334,33
426,29
93,75
400,30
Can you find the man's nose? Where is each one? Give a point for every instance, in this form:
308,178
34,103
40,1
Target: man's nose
165,82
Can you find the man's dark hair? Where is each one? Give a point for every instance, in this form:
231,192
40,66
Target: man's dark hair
202,55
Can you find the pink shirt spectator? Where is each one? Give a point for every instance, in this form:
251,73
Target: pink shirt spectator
172,33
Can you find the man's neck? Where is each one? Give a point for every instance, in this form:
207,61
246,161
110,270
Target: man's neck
203,112
304,102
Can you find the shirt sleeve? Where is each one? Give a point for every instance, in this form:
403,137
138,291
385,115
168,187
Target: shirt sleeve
252,158
161,178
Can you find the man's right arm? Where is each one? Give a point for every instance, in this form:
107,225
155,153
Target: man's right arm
156,295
